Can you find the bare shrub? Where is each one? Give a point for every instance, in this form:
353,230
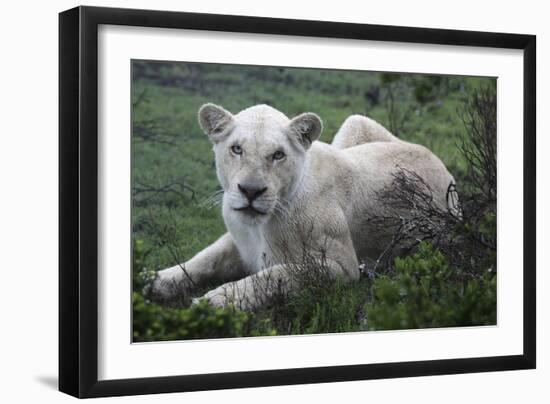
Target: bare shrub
165,236
411,216
479,143
150,130
142,193
394,87
464,229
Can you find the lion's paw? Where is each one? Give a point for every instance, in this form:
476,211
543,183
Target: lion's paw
218,298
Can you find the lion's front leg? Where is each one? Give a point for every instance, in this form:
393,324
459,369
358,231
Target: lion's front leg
261,289
218,263
252,292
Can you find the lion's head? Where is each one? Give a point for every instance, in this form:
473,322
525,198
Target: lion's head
260,156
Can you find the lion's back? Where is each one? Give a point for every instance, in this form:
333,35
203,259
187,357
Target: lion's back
356,177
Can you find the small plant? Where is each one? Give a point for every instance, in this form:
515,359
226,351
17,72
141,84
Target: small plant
395,88
157,323
141,274
334,308
427,292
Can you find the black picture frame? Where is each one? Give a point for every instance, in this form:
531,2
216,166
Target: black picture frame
78,201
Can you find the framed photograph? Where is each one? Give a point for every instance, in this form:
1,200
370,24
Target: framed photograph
252,201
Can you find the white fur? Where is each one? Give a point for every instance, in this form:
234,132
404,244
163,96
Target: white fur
318,194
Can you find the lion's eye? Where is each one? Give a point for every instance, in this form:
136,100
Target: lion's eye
278,155
237,149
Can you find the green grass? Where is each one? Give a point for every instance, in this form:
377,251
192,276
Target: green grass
166,98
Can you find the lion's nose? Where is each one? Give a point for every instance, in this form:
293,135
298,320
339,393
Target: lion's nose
251,191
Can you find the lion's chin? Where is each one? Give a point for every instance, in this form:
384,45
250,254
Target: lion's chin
250,211
251,215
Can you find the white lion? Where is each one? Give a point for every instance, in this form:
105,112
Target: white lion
283,186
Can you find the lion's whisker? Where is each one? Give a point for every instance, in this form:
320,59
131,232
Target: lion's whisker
213,200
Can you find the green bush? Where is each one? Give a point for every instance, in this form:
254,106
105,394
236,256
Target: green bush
316,309
427,292
423,292
156,323
153,322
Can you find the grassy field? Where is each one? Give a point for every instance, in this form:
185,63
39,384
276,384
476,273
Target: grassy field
173,172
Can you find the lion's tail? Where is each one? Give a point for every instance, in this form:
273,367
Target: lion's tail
359,129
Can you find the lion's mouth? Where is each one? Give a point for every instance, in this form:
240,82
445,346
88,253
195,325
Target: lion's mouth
250,210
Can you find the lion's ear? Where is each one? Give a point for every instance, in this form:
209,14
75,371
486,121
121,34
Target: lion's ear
215,121
307,127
